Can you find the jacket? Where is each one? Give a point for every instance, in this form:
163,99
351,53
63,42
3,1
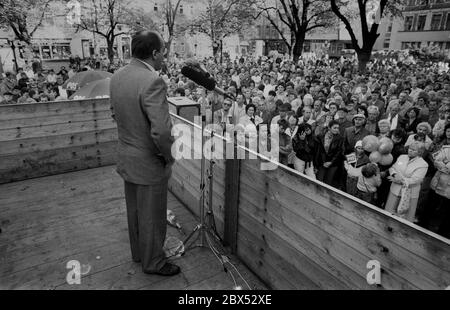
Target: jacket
441,180
139,106
334,154
413,171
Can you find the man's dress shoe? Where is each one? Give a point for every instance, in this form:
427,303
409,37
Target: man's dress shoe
167,270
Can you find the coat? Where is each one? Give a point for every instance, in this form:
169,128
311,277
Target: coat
334,154
441,180
413,171
140,108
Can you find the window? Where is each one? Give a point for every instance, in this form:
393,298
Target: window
181,9
447,45
46,53
61,50
386,43
389,29
421,22
447,23
436,21
155,8
408,23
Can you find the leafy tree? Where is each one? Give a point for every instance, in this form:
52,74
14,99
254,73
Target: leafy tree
23,17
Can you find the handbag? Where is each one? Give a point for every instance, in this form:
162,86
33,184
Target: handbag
405,201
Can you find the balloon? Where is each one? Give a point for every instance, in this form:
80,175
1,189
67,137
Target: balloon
386,160
386,146
375,157
370,143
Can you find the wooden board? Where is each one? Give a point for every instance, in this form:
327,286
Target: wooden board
77,222
310,216
20,111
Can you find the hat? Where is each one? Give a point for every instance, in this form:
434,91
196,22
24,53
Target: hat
358,144
8,94
285,107
359,115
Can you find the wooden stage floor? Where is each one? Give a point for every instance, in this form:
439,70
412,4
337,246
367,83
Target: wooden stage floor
50,221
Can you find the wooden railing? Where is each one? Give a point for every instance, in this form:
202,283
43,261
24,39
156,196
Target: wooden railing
294,232
40,139
298,233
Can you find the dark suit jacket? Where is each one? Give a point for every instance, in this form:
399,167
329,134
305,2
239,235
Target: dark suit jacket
334,154
139,105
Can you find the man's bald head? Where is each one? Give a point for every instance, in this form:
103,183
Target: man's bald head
144,43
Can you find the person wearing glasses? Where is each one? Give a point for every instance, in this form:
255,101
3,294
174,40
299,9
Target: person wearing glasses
139,106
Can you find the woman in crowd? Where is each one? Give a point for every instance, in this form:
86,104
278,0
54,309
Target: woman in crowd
305,151
406,176
412,120
353,165
439,195
250,117
422,128
384,128
329,155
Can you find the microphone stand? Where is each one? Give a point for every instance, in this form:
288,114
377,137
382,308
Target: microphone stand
207,222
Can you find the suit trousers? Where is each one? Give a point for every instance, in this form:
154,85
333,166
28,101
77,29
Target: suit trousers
147,223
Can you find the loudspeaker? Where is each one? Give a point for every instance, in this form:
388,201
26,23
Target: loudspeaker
184,107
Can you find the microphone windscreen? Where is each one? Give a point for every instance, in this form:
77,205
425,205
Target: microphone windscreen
199,76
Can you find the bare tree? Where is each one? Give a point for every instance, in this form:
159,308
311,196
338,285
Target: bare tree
222,18
24,17
370,13
170,12
300,17
106,18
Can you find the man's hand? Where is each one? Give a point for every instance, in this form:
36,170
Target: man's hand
327,164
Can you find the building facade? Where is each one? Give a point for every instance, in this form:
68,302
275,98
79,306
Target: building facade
424,23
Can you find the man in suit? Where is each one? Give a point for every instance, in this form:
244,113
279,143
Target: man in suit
139,105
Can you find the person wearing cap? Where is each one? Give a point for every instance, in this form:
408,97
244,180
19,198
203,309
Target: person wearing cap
353,167
355,133
283,113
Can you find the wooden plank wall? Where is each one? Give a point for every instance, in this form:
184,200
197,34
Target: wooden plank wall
296,233
42,139
186,175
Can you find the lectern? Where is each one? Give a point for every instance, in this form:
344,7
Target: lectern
184,107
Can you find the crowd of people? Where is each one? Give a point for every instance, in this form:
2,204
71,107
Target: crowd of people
382,136
33,83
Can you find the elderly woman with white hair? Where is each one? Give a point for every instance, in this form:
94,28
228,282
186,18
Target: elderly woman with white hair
384,127
406,176
372,119
392,115
422,128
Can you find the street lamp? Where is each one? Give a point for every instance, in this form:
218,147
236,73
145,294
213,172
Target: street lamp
10,40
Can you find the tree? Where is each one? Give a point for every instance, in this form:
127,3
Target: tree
170,12
24,17
106,18
222,18
300,17
137,19
370,13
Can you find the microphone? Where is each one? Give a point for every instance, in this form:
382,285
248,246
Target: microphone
195,72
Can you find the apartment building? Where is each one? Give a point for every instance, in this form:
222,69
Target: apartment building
424,23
